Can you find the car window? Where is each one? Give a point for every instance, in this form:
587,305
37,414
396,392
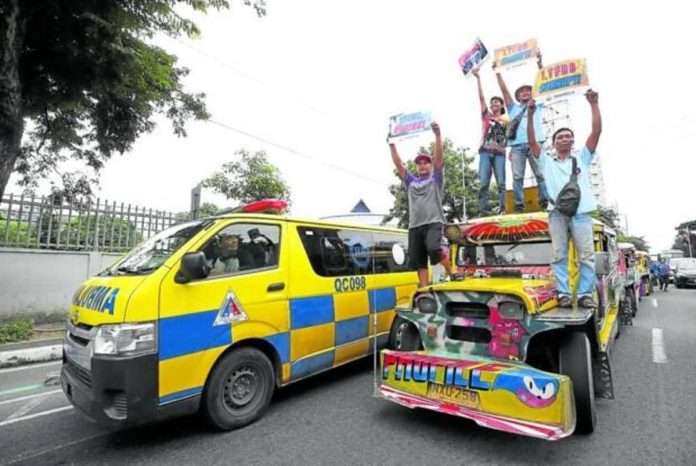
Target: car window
242,247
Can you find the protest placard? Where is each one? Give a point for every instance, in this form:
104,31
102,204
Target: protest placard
515,54
473,57
406,125
561,79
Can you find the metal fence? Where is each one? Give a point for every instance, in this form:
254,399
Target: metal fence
54,222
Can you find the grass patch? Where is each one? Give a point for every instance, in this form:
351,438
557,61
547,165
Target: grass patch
16,330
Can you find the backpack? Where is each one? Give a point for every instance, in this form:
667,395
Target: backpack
568,199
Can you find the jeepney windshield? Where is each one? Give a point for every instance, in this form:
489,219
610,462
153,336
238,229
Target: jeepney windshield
151,254
506,254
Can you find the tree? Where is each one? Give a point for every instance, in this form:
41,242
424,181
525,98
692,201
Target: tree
249,179
682,241
83,79
454,188
609,217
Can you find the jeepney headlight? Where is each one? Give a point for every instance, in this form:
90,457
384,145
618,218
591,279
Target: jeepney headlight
426,304
511,310
126,339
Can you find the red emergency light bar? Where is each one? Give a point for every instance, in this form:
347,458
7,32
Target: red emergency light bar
270,206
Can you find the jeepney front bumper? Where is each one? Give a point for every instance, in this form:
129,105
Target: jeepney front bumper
504,395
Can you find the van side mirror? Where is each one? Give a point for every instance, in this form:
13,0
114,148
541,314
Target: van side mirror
602,263
193,267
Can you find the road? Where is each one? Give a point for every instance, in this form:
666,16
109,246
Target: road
333,419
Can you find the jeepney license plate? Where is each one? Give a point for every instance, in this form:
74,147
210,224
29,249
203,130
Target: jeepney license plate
456,395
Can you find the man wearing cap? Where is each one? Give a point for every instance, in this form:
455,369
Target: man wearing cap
519,147
425,215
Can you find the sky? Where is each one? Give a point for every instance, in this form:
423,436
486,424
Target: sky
314,82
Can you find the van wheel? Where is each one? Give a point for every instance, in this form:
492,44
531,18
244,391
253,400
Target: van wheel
239,389
575,361
404,336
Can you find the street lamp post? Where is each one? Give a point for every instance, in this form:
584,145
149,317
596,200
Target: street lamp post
463,191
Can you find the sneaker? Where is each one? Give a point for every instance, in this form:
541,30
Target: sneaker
587,301
565,301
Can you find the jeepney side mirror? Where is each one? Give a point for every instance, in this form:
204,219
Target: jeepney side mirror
602,263
193,267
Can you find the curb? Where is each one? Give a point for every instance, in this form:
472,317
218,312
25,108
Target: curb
18,357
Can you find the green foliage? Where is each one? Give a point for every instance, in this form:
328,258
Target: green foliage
680,240
457,163
249,179
208,209
609,217
11,231
16,330
84,78
638,241
111,233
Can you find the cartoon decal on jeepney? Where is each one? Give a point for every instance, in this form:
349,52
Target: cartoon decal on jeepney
531,387
506,335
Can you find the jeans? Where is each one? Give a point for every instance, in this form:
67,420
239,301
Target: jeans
519,154
580,229
491,163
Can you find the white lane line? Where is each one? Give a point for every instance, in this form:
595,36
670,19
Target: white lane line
658,347
32,416
25,409
29,397
30,366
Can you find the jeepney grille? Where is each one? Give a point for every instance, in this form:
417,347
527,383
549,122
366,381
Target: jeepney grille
79,373
470,334
468,310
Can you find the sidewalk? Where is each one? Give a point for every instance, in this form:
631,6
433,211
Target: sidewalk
46,345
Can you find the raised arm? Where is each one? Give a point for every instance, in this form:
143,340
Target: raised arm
439,161
482,99
593,139
534,146
401,170
503,87
540,63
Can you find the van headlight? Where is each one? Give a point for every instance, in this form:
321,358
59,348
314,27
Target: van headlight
126,339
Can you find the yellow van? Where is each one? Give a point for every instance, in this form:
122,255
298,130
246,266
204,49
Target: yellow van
214,314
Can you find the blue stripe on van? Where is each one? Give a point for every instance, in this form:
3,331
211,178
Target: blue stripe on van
180,395
306,312
311,365
382,299
281,342
190,333
351,330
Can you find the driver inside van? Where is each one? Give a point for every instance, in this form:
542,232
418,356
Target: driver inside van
230,258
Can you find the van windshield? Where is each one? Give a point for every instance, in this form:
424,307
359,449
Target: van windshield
510,254
151,254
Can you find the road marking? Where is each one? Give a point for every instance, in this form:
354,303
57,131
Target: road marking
658,347
25,409
29,397
30,366
25,457
32,416
654,302
26,388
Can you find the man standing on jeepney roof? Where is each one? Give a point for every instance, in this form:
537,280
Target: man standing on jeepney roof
426,218
518,141
557,169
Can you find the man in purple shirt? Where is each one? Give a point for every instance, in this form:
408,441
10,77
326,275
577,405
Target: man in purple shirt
425,215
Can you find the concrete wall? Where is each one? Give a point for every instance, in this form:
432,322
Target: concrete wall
41,283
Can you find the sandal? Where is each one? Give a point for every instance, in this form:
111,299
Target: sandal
587,301
565,301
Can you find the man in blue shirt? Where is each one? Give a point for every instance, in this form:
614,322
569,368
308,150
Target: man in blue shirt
519,146
557,169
